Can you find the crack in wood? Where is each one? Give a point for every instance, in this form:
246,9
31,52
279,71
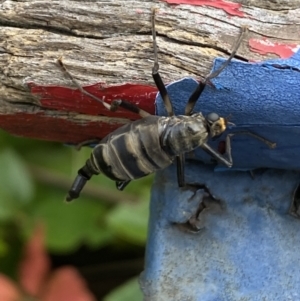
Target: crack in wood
109,42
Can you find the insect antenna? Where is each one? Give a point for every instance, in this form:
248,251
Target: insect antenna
115,104
62,65
166,99
156,77
198,91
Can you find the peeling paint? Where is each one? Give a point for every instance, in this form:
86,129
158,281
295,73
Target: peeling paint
230,8
78,118
57,128
72,100
265,46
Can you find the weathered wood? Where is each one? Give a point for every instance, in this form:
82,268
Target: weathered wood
110,42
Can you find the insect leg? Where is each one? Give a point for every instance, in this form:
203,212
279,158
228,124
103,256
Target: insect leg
269,143
221,158
156,77
226,159
180,160
198,91
86,143
128,106
166,99
122,184
227,154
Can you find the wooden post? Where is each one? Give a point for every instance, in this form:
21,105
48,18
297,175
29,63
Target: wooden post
107,45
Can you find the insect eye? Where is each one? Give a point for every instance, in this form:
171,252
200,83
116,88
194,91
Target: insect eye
217,127
212,117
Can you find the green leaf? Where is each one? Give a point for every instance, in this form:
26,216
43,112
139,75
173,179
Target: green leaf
129,291
16,184
70,225
15,179
130,221
8,206
3,247
11,248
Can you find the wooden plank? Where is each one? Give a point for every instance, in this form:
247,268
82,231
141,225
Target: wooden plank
107,45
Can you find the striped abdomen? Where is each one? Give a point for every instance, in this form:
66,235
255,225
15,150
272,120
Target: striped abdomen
132,151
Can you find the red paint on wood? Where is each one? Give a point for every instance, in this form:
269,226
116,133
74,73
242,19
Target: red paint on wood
62,128
55,128
72,100
230,8
265,46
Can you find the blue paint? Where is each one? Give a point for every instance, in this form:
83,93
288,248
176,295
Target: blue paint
248,246
263,98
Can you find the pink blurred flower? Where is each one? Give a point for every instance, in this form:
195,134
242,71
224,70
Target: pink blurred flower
36,279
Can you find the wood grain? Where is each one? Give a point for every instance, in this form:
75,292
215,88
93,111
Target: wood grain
110,42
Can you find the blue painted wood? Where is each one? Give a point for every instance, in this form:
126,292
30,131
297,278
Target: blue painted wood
248,245
263,98
247,249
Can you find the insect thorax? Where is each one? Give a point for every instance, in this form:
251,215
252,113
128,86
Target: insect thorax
180,134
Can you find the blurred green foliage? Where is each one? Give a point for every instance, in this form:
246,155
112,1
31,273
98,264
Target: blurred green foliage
129,291
31,192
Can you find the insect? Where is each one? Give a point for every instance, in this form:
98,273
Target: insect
153,142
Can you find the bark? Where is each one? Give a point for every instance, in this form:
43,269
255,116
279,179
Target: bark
110,42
